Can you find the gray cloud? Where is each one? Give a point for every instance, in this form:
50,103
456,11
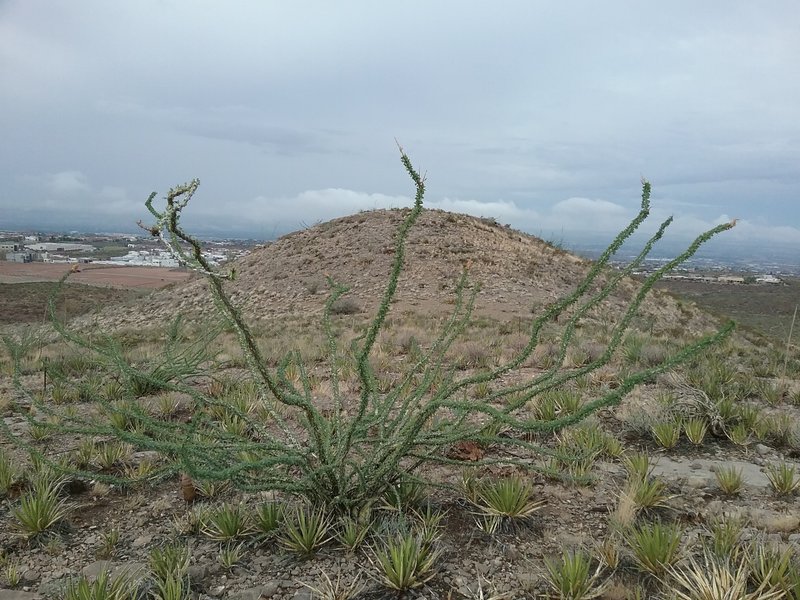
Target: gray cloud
595,217
522,110
67,182
240,124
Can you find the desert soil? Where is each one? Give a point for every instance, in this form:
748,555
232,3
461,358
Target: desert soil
286,279
145,278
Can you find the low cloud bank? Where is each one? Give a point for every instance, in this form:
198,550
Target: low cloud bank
71,200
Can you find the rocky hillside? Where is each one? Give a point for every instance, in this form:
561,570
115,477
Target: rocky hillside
516,272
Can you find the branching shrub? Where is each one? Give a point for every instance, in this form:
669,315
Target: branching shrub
366,443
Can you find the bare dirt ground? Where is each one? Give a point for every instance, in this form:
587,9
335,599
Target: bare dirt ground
25,289
148,278
25,303
284,282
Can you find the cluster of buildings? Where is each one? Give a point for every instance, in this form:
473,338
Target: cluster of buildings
156,258
728,279
29,249
143,258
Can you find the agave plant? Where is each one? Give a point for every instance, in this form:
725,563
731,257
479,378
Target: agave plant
508,500
405,561
713,578
572,578
41,508
654,546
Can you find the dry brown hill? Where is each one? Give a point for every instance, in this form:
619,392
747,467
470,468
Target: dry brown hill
517,272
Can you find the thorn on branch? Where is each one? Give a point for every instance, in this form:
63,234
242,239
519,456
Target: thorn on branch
154,230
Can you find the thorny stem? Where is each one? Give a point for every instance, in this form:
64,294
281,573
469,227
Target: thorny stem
346,459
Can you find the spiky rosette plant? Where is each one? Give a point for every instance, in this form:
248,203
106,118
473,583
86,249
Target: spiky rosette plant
371,441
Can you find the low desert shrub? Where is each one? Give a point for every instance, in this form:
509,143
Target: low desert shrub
695,430
729,479
783,478
103,587
654,546
667,433
231,555
41,508
366,442
405,561
725,535
268,518
771,567
647,492
510,499
712,578
341,588
572,577
228,522
9,474
305,530
20,345
345,306
170,560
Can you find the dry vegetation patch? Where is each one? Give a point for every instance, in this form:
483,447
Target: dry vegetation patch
603,508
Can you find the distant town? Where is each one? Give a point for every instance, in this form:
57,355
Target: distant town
714,273
147,251
108,249
714,267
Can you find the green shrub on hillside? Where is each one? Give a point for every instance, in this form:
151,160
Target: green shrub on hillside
363,445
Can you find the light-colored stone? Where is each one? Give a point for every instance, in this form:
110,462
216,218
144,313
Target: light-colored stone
671,469
53,588
617,591
775,522
697,482
133,570
197,573
142,541
92,570
18,595
269,589
30,576
261,591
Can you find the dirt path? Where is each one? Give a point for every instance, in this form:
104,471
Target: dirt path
99,275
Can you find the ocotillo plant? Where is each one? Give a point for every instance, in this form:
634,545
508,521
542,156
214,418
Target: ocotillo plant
367,443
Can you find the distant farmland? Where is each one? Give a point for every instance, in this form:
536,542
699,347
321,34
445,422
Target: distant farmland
765,308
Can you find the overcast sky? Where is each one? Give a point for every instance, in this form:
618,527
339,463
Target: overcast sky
544,115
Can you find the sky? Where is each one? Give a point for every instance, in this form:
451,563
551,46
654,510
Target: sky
543,115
